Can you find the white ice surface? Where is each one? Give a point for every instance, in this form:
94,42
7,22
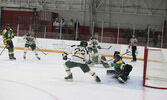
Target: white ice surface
34,79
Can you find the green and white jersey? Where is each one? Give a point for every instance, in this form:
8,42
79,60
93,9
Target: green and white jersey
93,43
79,54
30,40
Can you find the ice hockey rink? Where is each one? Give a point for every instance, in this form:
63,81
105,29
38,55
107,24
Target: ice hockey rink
34,79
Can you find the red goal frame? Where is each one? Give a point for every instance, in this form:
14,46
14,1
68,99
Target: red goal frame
145,68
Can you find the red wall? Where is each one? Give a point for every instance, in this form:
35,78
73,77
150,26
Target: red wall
14,17
24,19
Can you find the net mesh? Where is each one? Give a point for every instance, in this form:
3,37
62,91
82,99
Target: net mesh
156,70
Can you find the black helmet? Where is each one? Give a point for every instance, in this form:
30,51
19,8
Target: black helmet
7,25
117,57
93,38
116,53
83,43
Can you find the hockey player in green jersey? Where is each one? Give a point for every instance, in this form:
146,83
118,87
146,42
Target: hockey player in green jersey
8,35
121,69
80,58
30,42
93,45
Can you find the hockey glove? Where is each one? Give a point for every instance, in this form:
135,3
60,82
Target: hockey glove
7,43
7,46
99,47
64,56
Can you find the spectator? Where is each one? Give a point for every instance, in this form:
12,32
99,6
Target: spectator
128,35
154,35
71,28
158,42
140,33
63,27
76,25
56,25
133,43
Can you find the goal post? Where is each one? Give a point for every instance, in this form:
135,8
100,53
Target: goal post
155,68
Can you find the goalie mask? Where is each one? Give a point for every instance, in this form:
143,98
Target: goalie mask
116,53
117,57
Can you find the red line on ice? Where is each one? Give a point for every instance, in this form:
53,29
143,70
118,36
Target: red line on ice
27,85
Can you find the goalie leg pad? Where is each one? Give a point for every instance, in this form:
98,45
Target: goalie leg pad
122,78
127,69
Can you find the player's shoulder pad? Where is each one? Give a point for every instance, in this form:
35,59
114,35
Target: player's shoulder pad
4,31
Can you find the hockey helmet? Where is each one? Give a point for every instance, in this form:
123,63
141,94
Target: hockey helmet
83,43
117,57
116,53
33,32
93,38
7,26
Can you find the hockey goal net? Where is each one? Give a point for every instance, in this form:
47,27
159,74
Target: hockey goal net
155,68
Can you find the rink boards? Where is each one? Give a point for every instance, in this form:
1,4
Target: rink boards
56,45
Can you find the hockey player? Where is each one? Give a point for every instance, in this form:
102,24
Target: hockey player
8,35
93,45
121,69
80,57
30,42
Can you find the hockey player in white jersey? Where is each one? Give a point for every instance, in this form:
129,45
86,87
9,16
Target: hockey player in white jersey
30,42
80,58
93,45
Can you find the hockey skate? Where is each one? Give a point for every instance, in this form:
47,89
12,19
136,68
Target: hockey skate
24,57
133,60
98,79
122,78
69,77
12,58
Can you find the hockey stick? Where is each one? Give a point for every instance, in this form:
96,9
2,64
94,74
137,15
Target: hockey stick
2,50
42,51
107,48
125,53
113,59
